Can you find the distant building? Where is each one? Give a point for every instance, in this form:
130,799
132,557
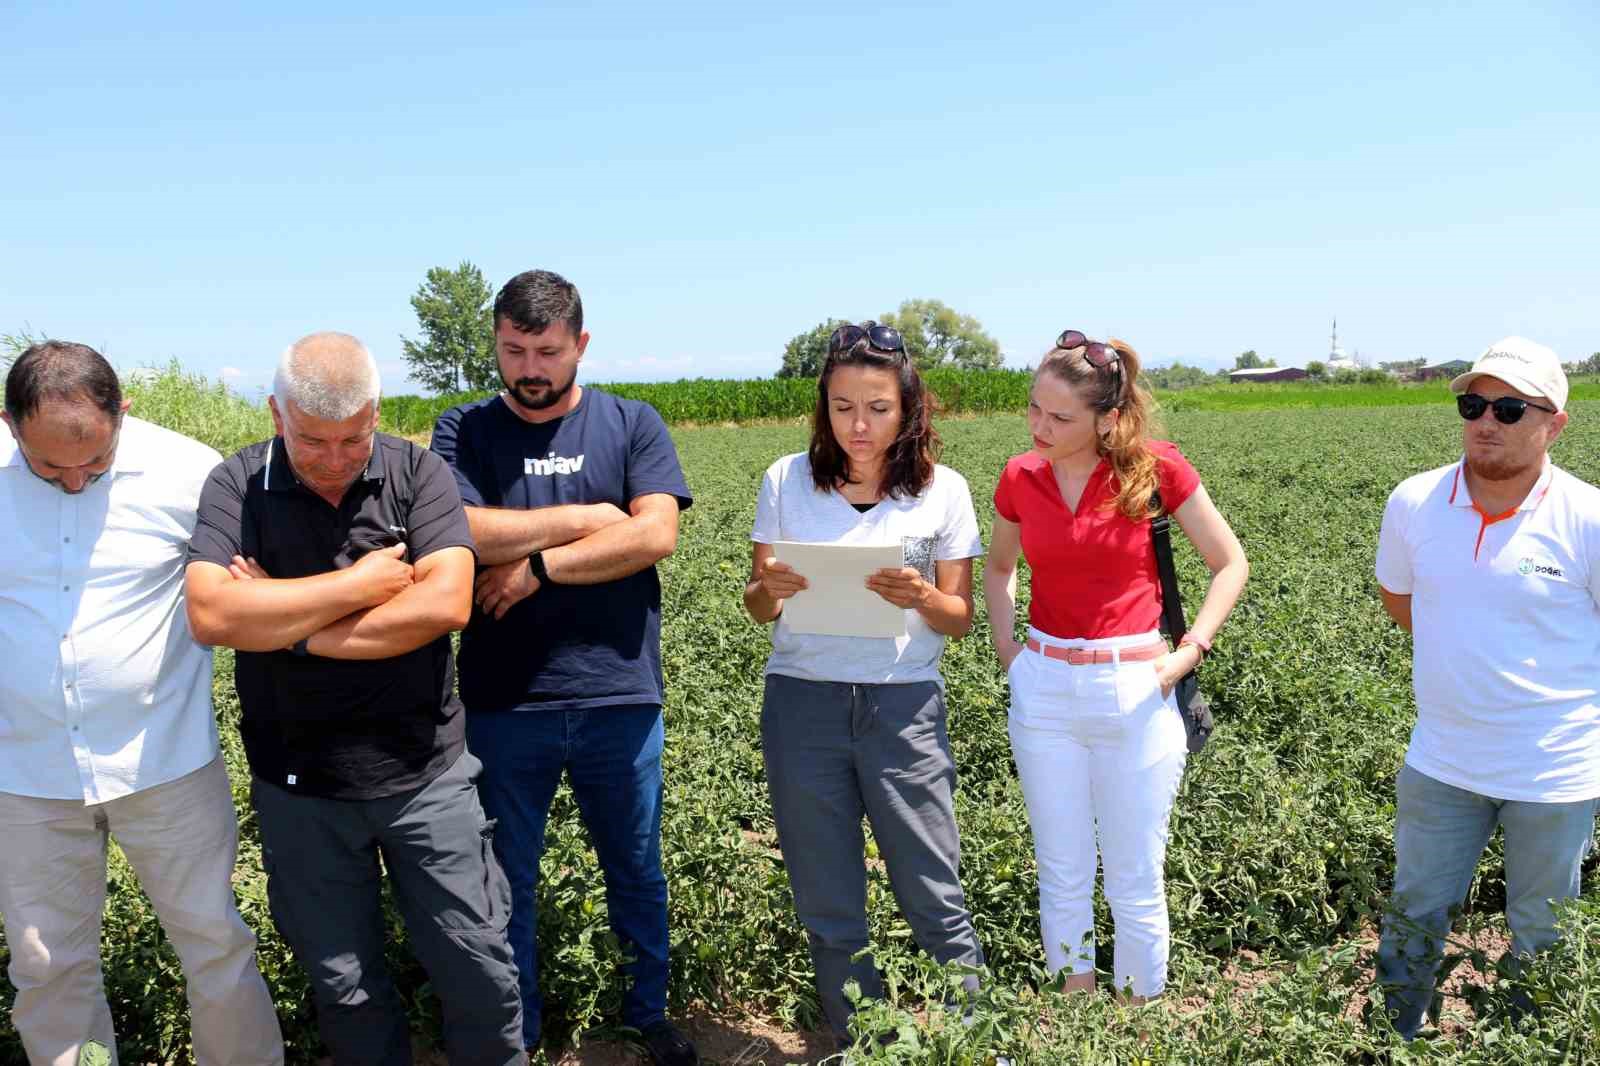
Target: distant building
1338,358
1442,370
1268,373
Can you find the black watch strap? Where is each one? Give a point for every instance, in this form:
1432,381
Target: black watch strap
536,566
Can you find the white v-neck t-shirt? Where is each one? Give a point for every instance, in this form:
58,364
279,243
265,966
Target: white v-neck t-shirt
1505,614
937,525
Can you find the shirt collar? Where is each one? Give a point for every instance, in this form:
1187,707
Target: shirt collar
280,478
1461,496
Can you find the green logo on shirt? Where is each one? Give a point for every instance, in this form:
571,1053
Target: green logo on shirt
1528,566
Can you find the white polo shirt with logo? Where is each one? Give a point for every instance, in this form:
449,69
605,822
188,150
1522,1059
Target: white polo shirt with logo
1505,617
103,692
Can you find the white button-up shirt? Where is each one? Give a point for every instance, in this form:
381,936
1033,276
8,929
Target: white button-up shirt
1505,612
103,692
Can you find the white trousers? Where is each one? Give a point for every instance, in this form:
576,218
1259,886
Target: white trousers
1100,753
180,838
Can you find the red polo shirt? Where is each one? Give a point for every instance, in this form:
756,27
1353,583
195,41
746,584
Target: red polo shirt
1094,569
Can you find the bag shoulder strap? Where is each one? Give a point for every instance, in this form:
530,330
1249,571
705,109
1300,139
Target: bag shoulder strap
1172,623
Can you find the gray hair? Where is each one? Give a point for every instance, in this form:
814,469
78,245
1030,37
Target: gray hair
327,375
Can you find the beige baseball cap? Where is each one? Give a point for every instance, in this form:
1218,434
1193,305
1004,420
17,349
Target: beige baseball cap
1522,364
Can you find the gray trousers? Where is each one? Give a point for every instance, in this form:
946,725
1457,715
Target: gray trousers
833,752
323,885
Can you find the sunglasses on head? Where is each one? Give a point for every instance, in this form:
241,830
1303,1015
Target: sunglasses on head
1508,410
883,338
1095,353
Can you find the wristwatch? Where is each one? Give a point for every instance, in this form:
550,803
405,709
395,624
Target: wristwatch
536,567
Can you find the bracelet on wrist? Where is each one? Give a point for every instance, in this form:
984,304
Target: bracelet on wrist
1202,646
537,568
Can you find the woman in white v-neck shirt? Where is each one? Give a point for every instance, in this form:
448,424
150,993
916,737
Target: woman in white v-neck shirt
854,726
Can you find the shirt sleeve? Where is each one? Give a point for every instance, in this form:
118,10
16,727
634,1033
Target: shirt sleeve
769,521
219,518
653,460
437,520
1004,504
1176,477
455,448
1394,553
958,536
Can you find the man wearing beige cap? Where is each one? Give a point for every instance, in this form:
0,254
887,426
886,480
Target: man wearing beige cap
1493,564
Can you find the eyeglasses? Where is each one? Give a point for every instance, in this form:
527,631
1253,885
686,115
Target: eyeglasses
1508,410
883,338
1095,353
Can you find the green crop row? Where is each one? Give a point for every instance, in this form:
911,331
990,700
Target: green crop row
714,401
1281,847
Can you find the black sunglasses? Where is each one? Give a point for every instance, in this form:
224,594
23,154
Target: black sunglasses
1508,410
883,338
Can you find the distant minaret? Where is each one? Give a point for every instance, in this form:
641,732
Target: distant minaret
1333,342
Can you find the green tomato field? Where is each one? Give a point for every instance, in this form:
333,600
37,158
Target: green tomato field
1281,846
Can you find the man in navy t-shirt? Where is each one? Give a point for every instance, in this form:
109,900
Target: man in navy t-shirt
573,496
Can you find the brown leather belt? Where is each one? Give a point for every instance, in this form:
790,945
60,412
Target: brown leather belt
1097,656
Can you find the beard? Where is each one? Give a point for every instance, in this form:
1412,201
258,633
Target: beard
1503,463
537,394
1501,469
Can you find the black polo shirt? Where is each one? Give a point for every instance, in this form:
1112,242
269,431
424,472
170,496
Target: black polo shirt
339,728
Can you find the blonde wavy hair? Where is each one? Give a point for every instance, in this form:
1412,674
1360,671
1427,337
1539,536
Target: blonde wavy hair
1127,446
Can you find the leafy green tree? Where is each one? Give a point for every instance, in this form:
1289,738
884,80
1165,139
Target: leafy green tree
805,352
1177,376
938,335
456,351
1590,365
1317,370
1249,360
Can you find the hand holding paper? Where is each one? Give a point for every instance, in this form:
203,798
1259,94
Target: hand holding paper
837,597
902,586
779,580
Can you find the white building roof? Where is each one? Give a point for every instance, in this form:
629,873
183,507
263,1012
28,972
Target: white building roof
1261,371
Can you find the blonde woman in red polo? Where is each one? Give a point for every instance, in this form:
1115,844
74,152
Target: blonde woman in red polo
1098,741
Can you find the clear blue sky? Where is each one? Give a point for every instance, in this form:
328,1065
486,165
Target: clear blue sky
182,180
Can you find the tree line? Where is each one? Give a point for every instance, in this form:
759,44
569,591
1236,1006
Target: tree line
454,350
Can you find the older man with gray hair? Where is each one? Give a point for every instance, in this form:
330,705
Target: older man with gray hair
337,560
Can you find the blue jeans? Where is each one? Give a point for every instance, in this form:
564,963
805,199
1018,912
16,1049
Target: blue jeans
613,758
1440,831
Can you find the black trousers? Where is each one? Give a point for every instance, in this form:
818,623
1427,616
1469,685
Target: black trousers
323,874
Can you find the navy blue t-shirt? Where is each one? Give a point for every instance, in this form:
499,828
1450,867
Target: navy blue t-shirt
566,646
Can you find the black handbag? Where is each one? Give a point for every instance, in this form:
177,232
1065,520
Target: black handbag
1192,703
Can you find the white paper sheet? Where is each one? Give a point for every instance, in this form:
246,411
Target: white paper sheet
838,602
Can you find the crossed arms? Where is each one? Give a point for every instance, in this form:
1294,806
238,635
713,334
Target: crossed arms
382,607
581,544
378,608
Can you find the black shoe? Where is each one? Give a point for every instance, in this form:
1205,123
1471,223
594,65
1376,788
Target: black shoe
668,1046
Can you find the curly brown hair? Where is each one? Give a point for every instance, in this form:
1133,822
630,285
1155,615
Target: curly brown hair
1127,446
909,466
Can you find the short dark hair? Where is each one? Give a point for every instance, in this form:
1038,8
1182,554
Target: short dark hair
61,370
912,456
534,299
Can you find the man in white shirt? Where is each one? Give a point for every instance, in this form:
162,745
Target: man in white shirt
1493,564
105,716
